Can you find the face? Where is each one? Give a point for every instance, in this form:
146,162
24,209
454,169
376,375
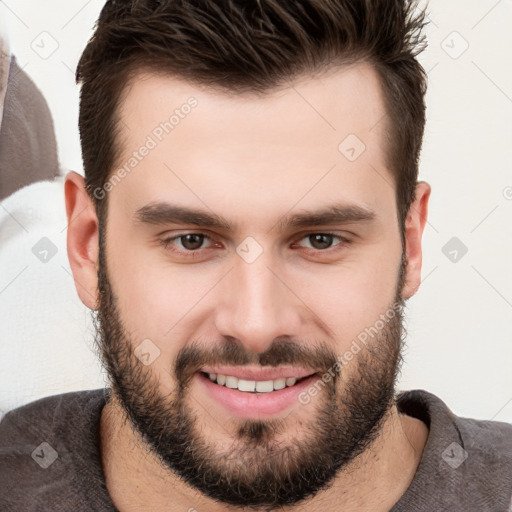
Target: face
250,281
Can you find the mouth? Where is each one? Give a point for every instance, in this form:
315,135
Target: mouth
257,393
253,386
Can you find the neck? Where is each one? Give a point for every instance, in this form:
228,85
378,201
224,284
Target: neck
375,480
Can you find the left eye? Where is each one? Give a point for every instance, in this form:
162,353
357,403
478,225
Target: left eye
188,242
322,241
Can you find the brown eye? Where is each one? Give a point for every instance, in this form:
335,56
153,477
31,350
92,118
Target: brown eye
187,243
192,241
323,242
320,240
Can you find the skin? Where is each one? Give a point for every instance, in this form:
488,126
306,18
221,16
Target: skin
252,160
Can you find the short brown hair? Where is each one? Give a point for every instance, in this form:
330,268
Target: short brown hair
253,45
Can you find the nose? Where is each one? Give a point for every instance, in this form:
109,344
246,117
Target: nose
256,305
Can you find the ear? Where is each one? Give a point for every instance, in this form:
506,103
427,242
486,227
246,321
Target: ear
82,239
414,226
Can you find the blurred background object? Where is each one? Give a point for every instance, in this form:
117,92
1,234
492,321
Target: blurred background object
28,148
46,338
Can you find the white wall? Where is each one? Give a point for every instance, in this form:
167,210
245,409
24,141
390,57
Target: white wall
460,322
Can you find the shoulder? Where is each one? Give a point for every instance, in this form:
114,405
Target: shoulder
44,416
44,446
466,462
487,439
492,439
483,458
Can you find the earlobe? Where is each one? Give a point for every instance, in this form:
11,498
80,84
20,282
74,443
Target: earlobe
414,226
82,239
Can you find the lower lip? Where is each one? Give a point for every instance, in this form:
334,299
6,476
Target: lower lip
248,405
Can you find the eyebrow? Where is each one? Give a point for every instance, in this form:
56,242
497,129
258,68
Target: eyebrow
162,213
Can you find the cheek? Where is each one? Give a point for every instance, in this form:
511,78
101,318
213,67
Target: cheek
156,300
351,298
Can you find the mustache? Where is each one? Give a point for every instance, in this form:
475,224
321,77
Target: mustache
284,350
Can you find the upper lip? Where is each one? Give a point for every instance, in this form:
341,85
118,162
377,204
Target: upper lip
258,374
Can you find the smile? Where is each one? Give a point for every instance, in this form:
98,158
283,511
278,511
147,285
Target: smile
252,386
254,393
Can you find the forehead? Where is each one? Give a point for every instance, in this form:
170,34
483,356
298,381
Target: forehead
315,139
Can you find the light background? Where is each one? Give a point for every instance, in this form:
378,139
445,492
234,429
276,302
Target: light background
460,322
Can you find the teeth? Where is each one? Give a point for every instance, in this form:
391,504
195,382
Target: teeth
265,386
231,382
251,386
246,385
279,383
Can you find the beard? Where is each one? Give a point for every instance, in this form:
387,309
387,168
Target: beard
265,466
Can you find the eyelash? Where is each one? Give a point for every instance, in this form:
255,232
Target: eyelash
166,242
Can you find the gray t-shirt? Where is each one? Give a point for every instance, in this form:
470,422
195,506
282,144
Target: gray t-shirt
50,458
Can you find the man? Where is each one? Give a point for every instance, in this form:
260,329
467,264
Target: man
248,231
